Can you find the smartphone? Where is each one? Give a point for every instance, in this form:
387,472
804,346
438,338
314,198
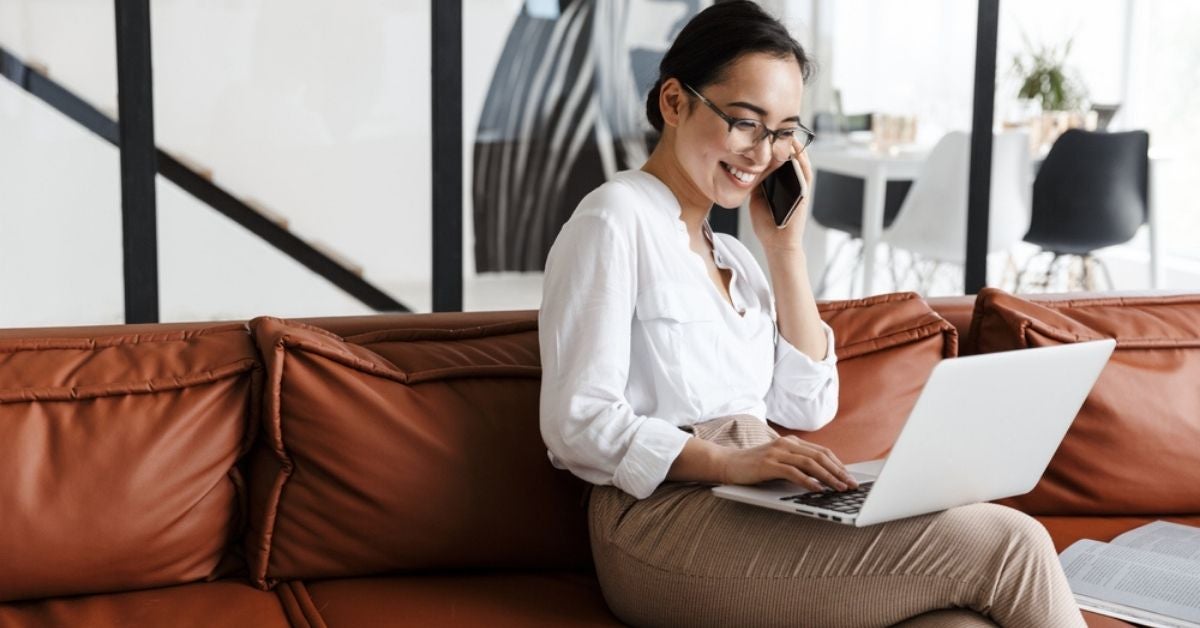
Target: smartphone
784,189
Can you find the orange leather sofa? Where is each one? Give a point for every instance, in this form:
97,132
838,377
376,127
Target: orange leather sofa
388,470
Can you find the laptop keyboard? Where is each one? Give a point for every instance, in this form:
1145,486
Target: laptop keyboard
848,502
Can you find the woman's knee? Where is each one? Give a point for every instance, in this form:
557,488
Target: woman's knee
948,618
1003,526
1021,525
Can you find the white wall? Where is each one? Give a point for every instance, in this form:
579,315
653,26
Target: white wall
917,57
60,218
322,116
914,57
75,39
60,229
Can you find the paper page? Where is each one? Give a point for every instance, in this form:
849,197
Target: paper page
1132,615
1163,537
1137,578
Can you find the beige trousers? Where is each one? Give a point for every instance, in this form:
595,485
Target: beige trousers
682,557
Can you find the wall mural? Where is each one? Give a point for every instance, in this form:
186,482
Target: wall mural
565,110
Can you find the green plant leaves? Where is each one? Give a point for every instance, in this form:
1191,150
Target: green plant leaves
1044,78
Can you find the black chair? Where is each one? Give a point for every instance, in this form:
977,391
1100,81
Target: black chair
838,204
1090,192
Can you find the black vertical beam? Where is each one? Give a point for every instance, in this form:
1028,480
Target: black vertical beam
447,156
135,99
980,182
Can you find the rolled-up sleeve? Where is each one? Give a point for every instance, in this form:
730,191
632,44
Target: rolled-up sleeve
804,392
584,325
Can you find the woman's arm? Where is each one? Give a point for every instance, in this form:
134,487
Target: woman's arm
795,305
787,458
804,388
584,322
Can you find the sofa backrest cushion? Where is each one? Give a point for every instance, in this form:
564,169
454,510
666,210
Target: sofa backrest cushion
886,346
1133,446
117,457
404,450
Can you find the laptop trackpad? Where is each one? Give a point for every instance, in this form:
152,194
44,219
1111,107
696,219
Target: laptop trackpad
866,471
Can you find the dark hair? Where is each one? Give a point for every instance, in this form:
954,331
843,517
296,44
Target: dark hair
715,38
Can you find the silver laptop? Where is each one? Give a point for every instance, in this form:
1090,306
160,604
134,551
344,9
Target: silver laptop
984,427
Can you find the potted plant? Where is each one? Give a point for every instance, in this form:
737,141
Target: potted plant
1060,95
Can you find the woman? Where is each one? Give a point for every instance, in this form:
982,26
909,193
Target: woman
664,349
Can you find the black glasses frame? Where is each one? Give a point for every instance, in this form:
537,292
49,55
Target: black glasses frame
808,133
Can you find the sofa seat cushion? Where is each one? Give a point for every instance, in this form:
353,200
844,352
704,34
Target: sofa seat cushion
1067,530
1132,449
118,457
496,599
231,604
1096,620
479,599
406,449
957,310
886,346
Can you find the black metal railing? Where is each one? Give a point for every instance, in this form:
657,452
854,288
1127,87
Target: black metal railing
35,81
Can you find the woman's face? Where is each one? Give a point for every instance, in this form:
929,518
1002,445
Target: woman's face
756,86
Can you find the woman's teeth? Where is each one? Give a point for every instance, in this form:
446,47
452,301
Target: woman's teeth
744,177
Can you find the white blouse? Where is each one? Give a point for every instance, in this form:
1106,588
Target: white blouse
637,341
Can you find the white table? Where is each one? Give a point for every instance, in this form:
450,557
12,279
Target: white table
1157,158
876,168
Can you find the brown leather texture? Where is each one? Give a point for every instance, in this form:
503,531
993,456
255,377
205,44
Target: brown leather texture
1095,620
406,449
354,325
1066,530
516,599
410,444
117,457
886,347
467,600
1132,449
957,311
229,604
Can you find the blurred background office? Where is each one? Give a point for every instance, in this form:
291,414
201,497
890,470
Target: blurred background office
313,120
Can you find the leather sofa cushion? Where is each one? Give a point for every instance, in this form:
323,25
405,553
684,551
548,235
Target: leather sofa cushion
496,599
886,346
1096,620
117,458
230,604
1133,446
549,599
957,310
1065,530
406,449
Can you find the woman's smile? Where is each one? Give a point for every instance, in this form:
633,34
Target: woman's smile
743,179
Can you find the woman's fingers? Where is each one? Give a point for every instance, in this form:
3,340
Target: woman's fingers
835,466
811,467
823,456
805,165
796,476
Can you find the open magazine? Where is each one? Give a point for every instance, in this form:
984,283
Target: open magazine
1149,575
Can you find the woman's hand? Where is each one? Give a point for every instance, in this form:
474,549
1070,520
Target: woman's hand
791,236
787,458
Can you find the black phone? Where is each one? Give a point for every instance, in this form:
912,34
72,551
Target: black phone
784,189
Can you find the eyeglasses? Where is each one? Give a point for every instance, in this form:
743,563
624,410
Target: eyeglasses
746,133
